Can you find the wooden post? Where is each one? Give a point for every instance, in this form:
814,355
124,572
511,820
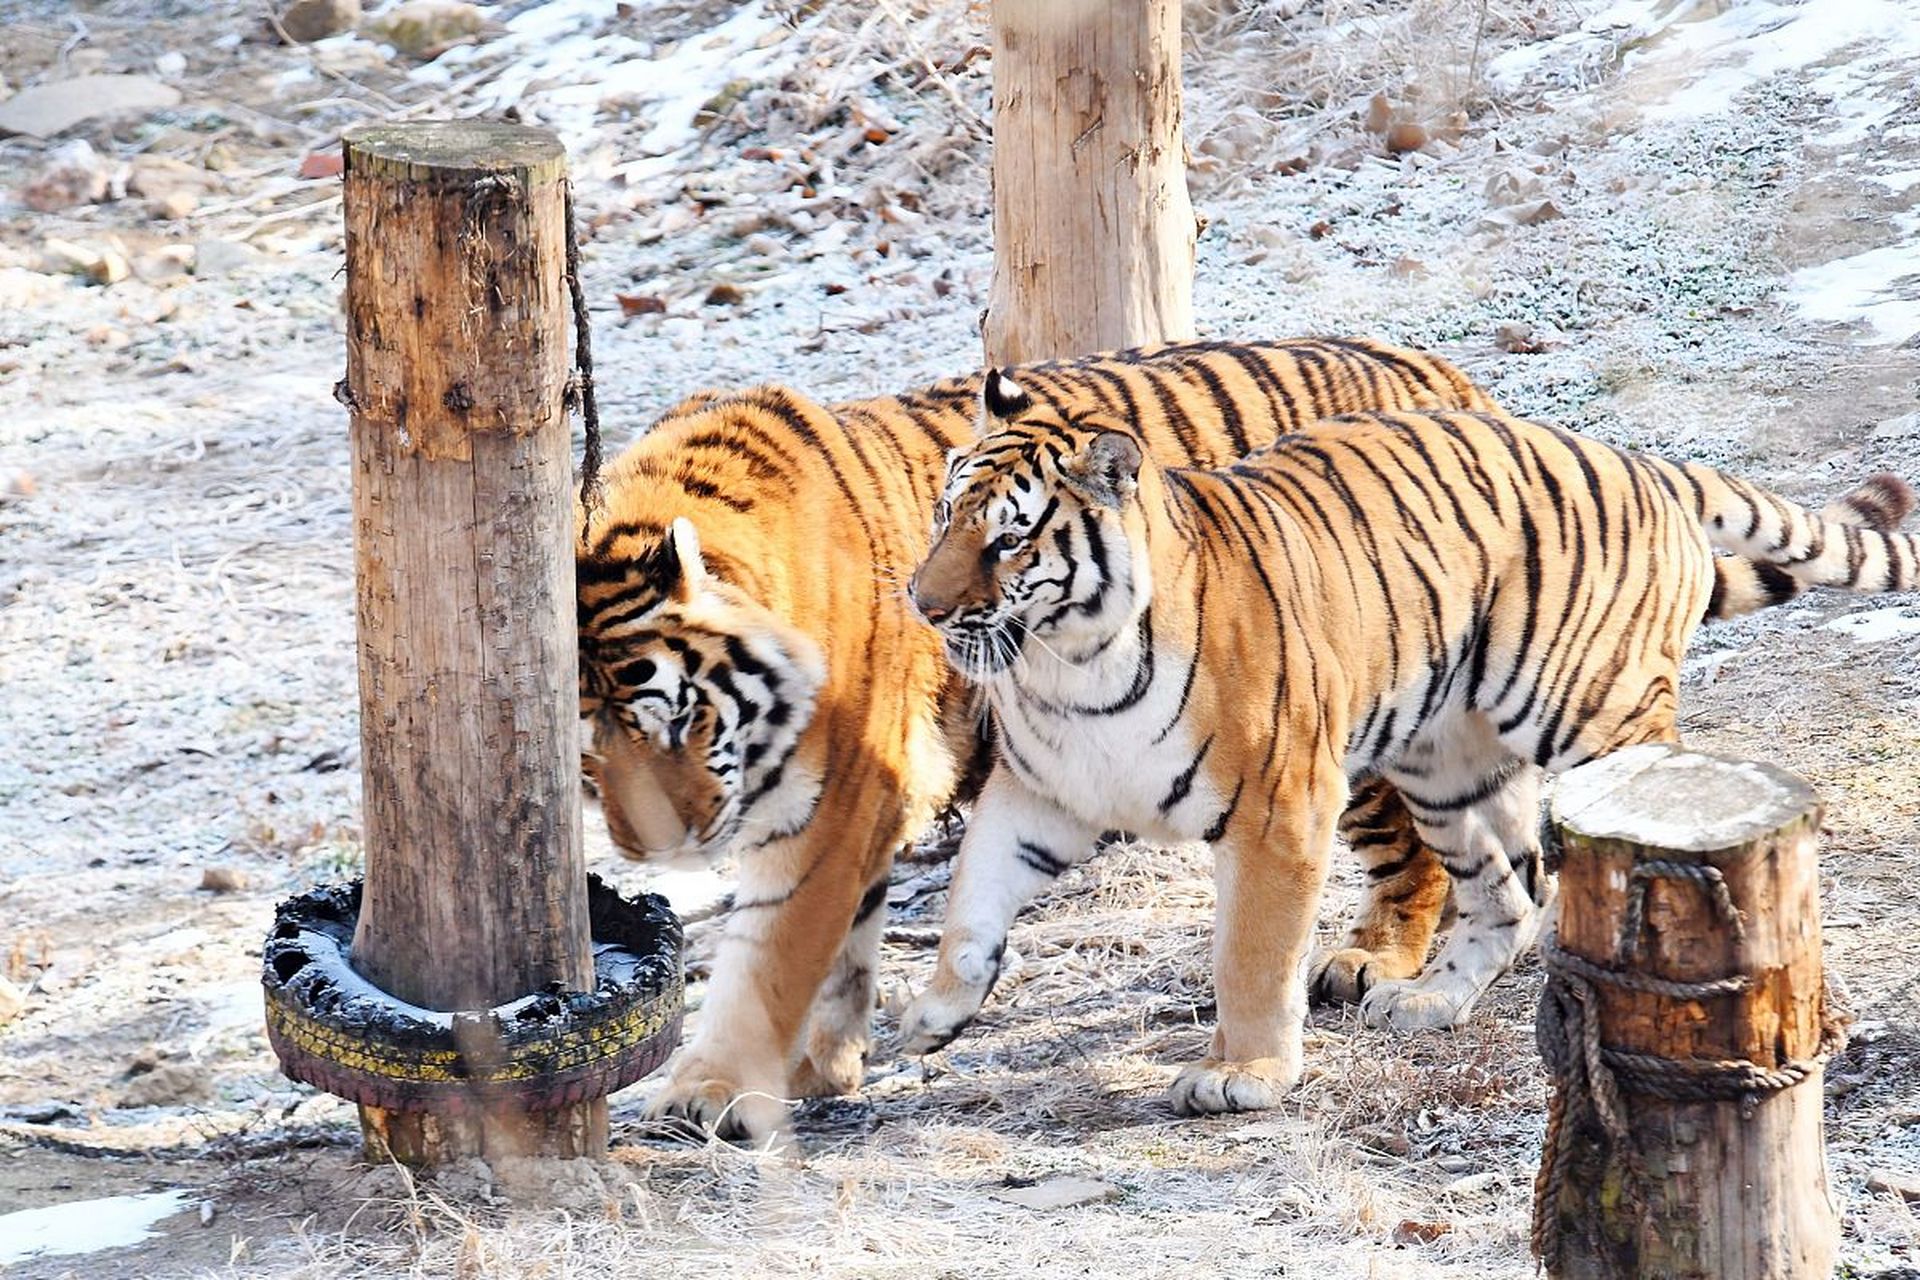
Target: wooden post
456,371
1092,231
1716,1166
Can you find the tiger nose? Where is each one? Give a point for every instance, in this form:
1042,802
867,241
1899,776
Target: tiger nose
932,610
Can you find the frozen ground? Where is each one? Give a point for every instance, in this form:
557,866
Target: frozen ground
1725,268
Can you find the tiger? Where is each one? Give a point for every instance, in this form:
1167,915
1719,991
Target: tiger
1457,602
754,681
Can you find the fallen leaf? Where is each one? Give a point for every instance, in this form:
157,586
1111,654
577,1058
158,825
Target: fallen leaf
1412,1232
322,164
640,304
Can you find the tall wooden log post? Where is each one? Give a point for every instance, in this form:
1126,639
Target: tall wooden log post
1685,1025
456,371
1092,231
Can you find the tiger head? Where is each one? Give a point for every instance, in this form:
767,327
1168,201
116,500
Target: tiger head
1031,539
695,696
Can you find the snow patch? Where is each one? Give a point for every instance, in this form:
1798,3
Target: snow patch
85,1226
1680,66
568,69
1875,625
1880,287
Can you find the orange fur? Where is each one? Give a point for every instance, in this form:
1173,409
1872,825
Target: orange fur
1455,601
767,521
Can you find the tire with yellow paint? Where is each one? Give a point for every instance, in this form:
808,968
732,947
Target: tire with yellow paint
338,1032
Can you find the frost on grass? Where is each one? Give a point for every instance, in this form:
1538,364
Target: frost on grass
177,671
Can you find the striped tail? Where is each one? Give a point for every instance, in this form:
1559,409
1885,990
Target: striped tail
1781,548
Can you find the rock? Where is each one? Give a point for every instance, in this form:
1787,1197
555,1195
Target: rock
725,295
223,257
170,65
426,28
173,206
73,175
1474,1183
305,21
16,485
69,965
111,267
12,998
1057,1193
1895,1183
154,177
1516,338
220,878
171,262
167,1086
105,335
1900,428
47,109
102,266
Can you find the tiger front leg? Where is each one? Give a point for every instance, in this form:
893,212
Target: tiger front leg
792,913
840,1025
1016,844
1266,899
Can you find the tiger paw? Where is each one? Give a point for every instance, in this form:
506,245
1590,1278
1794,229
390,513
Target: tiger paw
830,1070
1414,1006
710,1102
1342,976
936,1017
1211,1086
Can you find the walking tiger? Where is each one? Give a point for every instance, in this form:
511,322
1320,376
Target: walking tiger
1453,601
756,682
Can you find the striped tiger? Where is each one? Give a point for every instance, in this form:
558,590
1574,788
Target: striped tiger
1455,601
756,682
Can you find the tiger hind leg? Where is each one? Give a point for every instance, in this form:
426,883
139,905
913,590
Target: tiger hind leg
1477,805
1400,905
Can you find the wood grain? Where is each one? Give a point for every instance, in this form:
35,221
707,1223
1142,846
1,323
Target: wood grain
1092,229
1727,1196
456,370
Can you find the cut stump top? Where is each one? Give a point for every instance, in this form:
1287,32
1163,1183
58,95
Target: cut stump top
1662,796
455,151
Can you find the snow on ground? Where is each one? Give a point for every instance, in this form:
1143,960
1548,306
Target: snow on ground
1719,273
85,1226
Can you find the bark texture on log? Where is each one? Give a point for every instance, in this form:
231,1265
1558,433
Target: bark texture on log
1092,230
456,370
1725,1189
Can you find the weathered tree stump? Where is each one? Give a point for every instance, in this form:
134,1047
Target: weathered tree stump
1092,230
1685,1024
456,373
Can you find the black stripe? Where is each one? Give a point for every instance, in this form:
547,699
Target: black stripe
1183,784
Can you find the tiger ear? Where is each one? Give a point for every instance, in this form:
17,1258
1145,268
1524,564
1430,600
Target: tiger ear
1107,470
1004,398
684,565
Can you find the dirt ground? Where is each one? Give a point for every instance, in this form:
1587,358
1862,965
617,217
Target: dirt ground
1690,227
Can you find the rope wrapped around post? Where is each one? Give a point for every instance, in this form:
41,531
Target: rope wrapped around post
1690,1007
1589,1078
